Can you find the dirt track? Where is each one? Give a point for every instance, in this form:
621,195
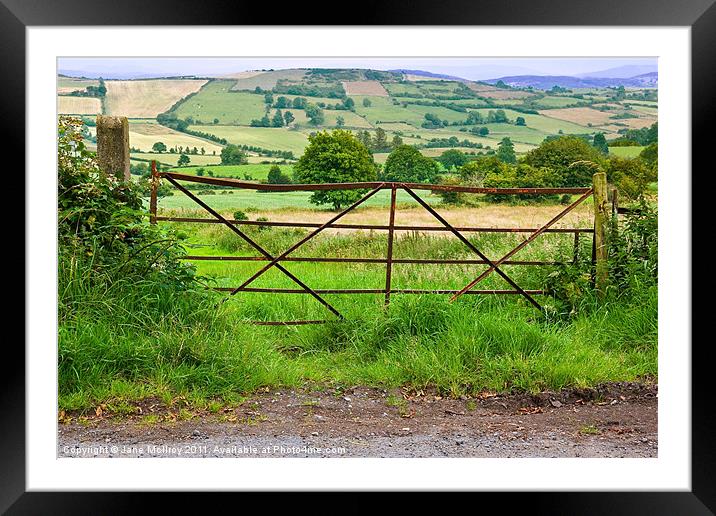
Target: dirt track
616,420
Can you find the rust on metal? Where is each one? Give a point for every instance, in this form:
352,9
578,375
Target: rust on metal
377,227
389,257
305,239
235,183
255,246
472,247
372,291
389,260
415,261
523,244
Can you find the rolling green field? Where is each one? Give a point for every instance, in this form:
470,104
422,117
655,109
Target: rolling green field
264,137
216,101
626,152
256,171
241,199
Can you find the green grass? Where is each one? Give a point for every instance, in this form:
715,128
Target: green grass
625,152
114,347
541,123
242,199
257,171
383,110
264,137
215,100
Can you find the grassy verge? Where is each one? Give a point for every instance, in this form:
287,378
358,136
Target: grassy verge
122,341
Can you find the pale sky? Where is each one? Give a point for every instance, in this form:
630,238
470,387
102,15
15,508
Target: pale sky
478,68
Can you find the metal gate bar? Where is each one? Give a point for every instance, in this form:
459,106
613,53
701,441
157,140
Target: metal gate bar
522,244
391,227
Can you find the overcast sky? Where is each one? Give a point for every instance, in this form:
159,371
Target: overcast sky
467,68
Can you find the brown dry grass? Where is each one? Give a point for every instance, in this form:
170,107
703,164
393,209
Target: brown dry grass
78,106
365,88
581,116
146,99
490,215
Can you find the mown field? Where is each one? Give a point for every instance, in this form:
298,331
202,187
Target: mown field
147,98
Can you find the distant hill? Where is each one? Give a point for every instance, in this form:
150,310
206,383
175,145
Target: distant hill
423,73
622,72
546,82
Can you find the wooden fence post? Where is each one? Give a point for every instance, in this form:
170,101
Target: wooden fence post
389,256
113,145
601,216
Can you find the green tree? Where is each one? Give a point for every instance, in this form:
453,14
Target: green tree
233,155
650,155
453,158
506,151
276,177
288,117
600,143
407,165
299,103
281,103
349,103
367,102
183,160
335,157
630,176
569,157
277,120
315,114
380,141
475,171
520,120
159,147
522,176
340,121
397,141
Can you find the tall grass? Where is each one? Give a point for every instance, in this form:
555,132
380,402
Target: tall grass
128,339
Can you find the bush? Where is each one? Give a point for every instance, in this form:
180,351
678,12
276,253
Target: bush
103,232
522,176
407,165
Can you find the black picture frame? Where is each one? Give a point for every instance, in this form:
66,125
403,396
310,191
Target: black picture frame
700,15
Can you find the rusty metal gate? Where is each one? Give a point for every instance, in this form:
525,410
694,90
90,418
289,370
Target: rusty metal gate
391,227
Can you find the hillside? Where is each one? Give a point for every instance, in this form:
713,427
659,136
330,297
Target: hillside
271,113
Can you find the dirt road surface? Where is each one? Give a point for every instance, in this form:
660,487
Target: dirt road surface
615,420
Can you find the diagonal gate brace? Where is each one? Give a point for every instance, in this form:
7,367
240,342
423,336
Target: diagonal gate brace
493,267
274,261
472,247
255,246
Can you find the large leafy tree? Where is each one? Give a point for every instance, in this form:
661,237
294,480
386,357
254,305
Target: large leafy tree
453,158
564,155
315,114
407,165
233,155
335,157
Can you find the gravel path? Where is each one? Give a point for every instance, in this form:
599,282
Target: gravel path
617,421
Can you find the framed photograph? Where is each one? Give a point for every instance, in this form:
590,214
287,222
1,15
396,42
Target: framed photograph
442,250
